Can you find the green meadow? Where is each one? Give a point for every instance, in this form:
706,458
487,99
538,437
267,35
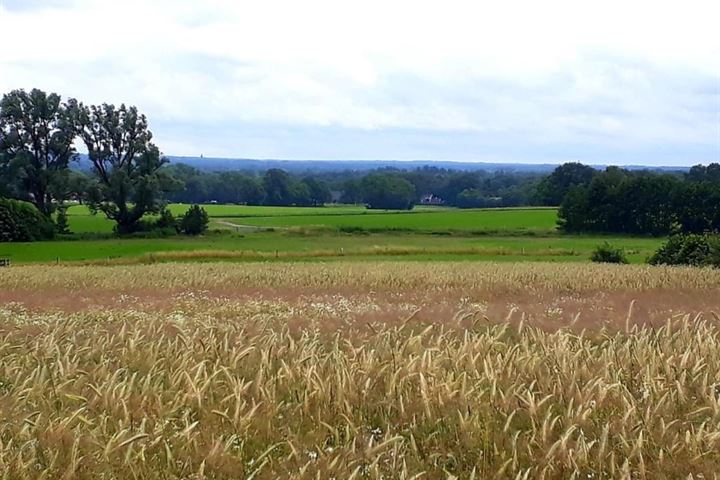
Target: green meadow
420,219
270,246
437,221
244,233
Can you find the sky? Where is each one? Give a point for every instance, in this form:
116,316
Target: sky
602,82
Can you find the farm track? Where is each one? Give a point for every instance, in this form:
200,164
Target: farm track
245,228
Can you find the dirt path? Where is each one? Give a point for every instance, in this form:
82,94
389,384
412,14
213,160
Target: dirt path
246,228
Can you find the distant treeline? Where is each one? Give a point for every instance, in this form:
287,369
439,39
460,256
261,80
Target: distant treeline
613,200
381,188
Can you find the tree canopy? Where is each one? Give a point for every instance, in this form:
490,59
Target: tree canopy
126,164
619,201
553,188
390,192
36,146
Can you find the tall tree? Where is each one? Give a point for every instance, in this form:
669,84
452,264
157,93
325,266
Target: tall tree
319,191
351,191
277,187
126,164
573,212
389,192
36,145
553,188
702,173
697,207
194,186
457,183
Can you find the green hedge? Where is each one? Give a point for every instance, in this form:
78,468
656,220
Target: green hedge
22,222
697,250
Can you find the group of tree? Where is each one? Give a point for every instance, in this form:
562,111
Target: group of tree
277,187
477,189
621,201
37,143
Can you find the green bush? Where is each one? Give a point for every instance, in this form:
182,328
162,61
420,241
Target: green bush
61,221
691,249
166,222
606,253
22,222
165,225
195,221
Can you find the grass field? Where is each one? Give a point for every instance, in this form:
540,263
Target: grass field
243,233
359,370
279,245
491,220
421,219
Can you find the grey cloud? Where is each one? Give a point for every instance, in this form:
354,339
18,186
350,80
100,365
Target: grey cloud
601,107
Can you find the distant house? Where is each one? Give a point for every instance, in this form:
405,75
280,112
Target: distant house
430,199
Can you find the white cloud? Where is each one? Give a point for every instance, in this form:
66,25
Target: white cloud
632,76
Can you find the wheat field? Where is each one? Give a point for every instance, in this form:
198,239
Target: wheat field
359,370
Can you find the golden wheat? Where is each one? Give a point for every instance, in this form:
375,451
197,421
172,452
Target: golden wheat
350,385
434,276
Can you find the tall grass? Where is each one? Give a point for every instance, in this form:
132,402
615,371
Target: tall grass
360,384
215,391
431,276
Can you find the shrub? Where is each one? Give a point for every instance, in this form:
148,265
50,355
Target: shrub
61,221
195,221
164,225
690,249
166,221
23,222
606,253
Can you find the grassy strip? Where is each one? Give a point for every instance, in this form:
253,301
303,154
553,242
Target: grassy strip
304,240
379,251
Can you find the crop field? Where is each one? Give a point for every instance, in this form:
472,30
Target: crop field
490,220
240,211
359,370
81,220
420,219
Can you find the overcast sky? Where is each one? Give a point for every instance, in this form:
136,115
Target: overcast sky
607,81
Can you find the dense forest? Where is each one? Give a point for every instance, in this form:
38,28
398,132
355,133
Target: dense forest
125,177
